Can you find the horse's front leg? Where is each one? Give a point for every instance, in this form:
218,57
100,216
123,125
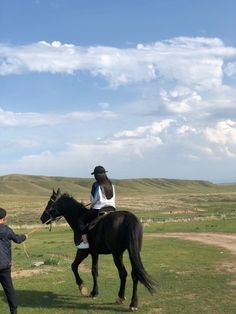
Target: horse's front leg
80,256
94,292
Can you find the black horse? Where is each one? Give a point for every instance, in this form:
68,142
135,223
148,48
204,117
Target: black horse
113,234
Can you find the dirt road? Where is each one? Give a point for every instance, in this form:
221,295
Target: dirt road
227,241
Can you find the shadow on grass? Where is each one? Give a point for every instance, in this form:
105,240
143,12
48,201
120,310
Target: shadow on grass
51,300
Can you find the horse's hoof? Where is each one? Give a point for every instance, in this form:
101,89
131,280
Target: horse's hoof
120,300
93,296
133,308
83,290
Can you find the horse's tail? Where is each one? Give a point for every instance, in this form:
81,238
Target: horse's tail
135,235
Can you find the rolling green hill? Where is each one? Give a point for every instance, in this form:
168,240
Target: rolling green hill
17,184
25,197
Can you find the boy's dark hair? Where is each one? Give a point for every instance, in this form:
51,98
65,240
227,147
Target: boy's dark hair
3,213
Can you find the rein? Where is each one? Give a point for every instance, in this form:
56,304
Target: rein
32,231
46,222
36,229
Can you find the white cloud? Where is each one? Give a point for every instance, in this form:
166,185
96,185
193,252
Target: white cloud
77,154
33,119
16,144
9,118
223,138
189,98
223,133
132,133
222,99
181,100
206,150
129,148
186,129
192,157
159,126
230,69
153,129
89,116
192,61
178,138
77,157
25,143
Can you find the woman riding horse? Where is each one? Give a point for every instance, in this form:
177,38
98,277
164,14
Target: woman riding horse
115,233
102,197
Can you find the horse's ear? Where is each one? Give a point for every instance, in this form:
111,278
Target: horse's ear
58,191
53,191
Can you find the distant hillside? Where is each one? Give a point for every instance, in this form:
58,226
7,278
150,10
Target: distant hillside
17,184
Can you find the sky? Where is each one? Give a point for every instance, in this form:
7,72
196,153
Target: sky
146,88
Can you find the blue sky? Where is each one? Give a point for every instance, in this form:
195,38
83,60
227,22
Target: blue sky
144,87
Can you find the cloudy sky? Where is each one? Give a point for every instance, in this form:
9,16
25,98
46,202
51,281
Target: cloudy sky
146,88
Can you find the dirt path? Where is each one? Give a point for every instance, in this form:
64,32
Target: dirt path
227,241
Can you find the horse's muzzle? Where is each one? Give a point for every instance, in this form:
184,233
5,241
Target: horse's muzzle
45,218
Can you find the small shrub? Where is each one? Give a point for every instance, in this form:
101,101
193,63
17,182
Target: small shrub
53,261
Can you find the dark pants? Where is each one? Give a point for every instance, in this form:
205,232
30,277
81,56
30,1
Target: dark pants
86,218
6,282
90,215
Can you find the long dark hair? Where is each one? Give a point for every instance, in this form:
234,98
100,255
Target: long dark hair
105,184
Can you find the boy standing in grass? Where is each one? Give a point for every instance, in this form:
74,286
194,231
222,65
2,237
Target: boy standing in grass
6,236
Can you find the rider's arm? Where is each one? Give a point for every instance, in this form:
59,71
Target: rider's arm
94,197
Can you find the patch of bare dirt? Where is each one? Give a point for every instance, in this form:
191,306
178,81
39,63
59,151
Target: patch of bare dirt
228,266
30,272
83,268
27,272
226,241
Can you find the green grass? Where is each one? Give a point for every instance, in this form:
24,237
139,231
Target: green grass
18,184
225,226
161,200
191,278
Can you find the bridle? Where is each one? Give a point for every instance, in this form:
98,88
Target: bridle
50,218
57,214
49,221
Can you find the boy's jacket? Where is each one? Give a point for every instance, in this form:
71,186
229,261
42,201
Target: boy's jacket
6,236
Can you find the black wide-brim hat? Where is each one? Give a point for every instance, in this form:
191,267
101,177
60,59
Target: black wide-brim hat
98,169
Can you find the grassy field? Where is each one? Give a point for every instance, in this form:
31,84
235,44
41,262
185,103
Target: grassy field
153,200
191,277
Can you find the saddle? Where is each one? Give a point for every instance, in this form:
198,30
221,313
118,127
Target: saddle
102,213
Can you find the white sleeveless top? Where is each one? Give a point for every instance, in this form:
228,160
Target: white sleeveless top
99,200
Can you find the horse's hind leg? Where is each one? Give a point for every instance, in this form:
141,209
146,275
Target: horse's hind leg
80,256
118,260
134,300
94,292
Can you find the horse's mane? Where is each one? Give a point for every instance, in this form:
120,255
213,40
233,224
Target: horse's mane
66,196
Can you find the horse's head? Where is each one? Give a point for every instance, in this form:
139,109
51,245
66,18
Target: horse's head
50,212
61,205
